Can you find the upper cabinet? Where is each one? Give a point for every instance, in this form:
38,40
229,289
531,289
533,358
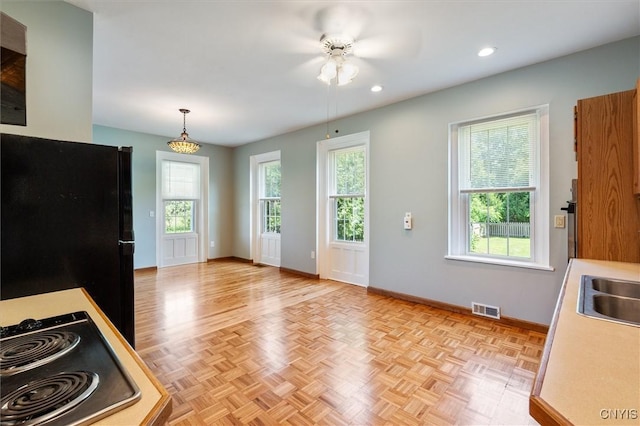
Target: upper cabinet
636,140
608,209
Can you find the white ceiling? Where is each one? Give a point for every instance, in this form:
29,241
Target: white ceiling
247,69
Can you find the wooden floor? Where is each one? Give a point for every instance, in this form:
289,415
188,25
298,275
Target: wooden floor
240,344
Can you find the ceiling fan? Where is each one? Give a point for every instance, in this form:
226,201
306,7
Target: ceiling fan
345,44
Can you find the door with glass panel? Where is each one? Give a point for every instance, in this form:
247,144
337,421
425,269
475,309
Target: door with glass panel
345,215
180,198
269,213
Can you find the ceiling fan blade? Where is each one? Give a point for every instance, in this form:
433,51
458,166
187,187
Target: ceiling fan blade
405,44
340,20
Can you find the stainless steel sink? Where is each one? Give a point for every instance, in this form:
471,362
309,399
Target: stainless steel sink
610,299
622,308
617,287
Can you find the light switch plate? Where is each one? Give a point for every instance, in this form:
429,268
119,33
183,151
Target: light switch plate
558,221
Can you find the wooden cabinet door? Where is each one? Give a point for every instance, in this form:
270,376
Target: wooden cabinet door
608,210
636,140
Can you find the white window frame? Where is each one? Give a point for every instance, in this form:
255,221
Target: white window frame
333,191
263,199
458,200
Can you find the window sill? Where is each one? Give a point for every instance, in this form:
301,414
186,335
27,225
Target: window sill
501,262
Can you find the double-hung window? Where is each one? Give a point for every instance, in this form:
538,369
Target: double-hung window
180,191
347,193
498,210
270,196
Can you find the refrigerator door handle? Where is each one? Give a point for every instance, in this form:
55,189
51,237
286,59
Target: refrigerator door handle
127,247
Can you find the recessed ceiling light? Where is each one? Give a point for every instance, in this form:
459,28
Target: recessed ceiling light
486,51
376,88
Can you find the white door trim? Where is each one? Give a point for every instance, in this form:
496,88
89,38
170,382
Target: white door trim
202,220
255,247
323,228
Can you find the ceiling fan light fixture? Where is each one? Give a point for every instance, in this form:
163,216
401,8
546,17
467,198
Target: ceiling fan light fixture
328,71
346,73
183,144
337,66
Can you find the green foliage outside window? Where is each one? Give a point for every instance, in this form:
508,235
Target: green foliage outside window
350,172
500,223
271,216
178,216
271,207
272,179
349,218
350,180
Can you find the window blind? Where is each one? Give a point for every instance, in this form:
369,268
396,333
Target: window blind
181,181
498,155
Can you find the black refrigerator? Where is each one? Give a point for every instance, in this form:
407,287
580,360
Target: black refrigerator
67,222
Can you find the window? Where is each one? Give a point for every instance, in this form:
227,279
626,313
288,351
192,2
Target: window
499,189
270,196
180,190
347,192
178,216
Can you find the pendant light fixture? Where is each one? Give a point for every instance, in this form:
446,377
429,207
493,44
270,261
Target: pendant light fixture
183,144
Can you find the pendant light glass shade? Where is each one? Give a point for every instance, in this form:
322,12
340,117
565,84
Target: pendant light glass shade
183,144
346,73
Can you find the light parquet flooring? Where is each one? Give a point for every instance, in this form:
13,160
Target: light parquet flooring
236,343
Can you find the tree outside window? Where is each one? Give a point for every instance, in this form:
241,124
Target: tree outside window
178,216
270,197
349,181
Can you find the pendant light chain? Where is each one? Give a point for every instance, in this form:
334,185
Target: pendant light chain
184,120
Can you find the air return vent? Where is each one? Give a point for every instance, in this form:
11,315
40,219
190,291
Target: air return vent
485,310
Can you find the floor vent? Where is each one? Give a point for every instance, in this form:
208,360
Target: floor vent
485,310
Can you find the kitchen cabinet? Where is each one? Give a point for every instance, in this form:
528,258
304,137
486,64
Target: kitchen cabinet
608,211
636,140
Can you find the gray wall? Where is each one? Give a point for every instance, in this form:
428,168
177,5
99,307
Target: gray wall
59,69
144,190
409,172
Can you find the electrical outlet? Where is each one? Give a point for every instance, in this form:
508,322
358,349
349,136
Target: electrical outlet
213,244
559,221
313,254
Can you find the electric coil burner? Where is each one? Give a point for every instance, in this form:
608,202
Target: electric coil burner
60,371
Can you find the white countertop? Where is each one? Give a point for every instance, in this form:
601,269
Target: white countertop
593,367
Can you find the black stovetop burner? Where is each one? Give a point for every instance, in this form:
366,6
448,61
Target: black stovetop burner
60,371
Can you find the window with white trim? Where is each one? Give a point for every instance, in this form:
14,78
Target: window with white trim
180,191
498,175
270,207
347,193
